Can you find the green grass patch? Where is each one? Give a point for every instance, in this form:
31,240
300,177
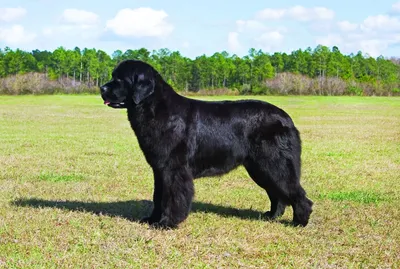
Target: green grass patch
363,197
74,184
55,177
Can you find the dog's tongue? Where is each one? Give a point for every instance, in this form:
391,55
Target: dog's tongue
106,102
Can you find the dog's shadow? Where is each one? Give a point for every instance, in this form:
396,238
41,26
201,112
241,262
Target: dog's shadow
134,210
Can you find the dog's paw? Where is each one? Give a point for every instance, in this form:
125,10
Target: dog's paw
300,222
164,224
149,220
269,216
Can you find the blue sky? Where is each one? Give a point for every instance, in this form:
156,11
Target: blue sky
202,27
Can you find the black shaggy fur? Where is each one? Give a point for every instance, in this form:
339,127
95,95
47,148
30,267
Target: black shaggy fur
183,139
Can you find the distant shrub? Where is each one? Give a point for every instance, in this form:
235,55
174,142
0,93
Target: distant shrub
354,90
218,91
245,89
38,83
296,84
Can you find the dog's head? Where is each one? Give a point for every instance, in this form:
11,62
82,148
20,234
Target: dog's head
132,81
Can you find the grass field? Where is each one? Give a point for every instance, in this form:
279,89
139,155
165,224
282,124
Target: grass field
73,183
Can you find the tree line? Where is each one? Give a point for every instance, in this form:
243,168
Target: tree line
321,70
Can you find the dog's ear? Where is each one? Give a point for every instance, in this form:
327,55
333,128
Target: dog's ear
144,87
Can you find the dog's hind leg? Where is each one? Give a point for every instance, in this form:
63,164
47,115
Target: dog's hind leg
263,179
278,159
283,189
278,206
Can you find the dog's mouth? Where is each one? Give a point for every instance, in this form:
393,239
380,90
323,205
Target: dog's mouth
115,105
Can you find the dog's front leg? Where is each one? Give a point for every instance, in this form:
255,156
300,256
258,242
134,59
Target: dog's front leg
177,195
157,197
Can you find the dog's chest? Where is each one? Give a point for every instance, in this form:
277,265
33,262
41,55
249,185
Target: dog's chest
159,136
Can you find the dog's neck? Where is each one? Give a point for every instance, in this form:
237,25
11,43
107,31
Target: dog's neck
165,92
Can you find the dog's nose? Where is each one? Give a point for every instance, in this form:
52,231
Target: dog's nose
103,89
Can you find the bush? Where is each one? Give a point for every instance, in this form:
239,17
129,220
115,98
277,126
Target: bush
354,90
38,83
219,91
296,84
246,89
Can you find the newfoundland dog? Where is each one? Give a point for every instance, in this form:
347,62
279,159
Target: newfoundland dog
183,139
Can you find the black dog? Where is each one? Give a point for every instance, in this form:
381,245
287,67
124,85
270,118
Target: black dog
183,139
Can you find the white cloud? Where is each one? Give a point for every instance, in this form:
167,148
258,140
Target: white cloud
185,44
396,7
347,26
329,40
297,13
373,35
16,35
233,42
249,25
272,36
255,33
373,47
140,22
271,14
74,27
270,41
323,13
79,17
381,23
12,14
